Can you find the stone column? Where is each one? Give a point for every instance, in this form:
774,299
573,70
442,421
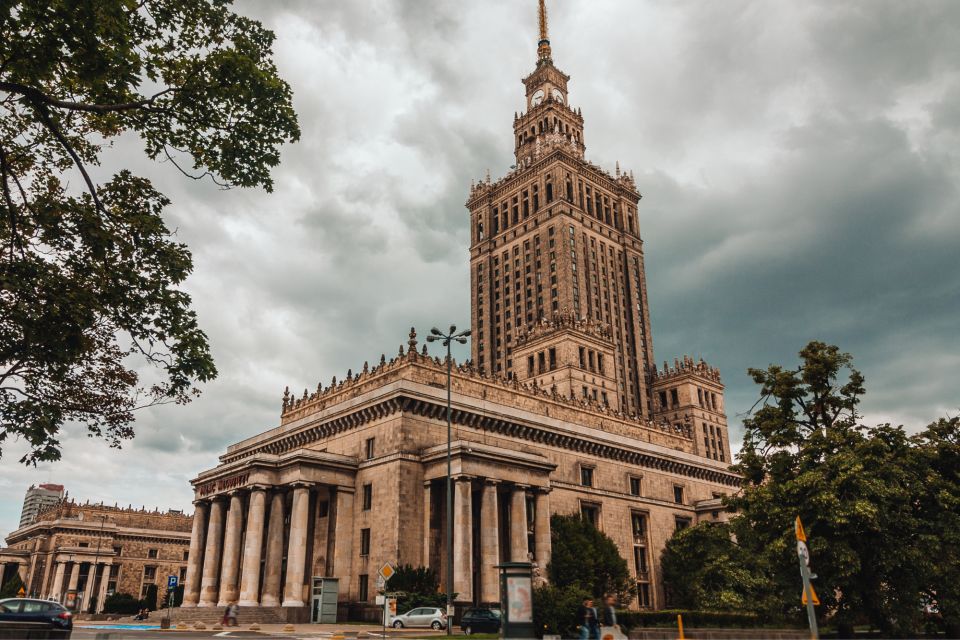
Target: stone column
104,581
518,525
274,559
297,547
88,588
426,524
191,590
541,531
489,544
252,549
209,591
462,539
343,541
230,566
74,577
56,591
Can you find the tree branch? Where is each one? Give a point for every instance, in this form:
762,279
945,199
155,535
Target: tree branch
37,96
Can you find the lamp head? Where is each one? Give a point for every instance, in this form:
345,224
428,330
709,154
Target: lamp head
466,333
435,331
431,338
462,340
453,329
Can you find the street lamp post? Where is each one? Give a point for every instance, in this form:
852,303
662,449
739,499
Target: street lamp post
452,335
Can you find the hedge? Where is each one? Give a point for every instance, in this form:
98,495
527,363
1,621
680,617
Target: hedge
708,619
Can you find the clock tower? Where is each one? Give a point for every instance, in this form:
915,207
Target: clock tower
558,287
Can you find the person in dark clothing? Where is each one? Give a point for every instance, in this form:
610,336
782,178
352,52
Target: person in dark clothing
608,617
588,621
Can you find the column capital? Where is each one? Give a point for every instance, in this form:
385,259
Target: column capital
463,478
492,481
522,487
542,490
302,484
260,487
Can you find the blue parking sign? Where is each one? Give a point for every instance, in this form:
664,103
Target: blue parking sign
171,582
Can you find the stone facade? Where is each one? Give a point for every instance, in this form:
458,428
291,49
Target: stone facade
94,550
560,411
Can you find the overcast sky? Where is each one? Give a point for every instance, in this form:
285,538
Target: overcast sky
799,164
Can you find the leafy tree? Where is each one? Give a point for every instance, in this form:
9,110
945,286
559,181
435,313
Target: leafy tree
704,569
416,587
555,609
123,603
11,588
584,557
939,505
89,272
805,453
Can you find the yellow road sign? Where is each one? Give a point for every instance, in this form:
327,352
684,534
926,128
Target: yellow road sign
816,600
387,571
798,526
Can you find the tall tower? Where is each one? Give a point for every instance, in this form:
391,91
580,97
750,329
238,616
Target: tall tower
558,287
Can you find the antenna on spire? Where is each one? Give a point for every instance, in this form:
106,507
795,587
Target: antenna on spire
543,46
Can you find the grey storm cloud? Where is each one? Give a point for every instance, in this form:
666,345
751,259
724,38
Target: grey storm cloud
799,165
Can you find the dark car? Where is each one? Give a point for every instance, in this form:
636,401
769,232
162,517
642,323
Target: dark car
480,620
30,613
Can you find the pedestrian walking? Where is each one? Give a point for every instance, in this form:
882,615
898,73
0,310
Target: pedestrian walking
232,611
587,619
608,619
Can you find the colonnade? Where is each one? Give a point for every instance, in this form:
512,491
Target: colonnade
233,559
60,587
491,493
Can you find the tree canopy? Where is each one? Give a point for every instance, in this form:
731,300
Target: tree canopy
880,507
584,557
89,272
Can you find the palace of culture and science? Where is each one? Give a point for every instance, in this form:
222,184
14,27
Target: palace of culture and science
561,410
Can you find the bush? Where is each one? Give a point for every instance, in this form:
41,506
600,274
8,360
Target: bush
555,609
12,587
700,619
122,603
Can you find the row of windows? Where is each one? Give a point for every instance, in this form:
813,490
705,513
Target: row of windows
634,483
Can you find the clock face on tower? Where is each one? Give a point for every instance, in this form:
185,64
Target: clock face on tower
537,98
557,95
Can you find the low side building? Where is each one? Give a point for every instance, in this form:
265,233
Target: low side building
80,553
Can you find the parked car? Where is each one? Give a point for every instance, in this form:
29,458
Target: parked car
33,613
480,620
432,617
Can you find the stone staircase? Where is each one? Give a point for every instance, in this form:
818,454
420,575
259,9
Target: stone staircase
245,615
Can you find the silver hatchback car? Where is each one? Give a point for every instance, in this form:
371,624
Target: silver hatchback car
432,617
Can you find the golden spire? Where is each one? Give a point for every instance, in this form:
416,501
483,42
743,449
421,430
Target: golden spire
543,46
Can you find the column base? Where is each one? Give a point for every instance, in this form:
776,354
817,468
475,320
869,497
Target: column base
269,601
248,603
187,605
206,604
293,603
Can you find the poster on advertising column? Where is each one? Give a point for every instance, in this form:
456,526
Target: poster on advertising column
520,599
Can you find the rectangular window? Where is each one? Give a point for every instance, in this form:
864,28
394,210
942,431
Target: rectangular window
590,513
186,556
643,595
638,522
678,494
364,588
586,476
149,573
364,542
634,486
323,509
640,560
367,497
682,523
674,398
369,448
152,553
